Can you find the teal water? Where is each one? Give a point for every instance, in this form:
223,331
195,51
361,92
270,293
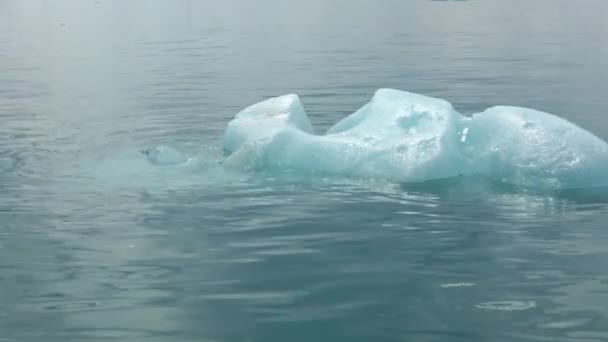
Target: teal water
97,244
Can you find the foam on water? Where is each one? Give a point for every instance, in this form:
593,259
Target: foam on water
409,137
507,305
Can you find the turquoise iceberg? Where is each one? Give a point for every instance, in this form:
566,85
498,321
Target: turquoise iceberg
408,137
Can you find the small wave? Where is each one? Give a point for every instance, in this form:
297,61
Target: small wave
507,305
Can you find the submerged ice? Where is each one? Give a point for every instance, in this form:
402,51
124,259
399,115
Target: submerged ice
164,155
414,138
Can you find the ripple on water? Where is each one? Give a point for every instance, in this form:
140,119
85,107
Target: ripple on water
451,285
7,164
507,305
566,324
70,306
115,334
67,306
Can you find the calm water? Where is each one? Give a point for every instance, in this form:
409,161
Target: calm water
96,244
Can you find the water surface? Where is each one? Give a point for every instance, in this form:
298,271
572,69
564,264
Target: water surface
97,244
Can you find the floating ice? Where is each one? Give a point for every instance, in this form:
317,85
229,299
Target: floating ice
527,147
413,138
259,122
164,155
398,135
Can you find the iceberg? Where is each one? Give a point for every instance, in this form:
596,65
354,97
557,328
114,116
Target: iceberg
408,137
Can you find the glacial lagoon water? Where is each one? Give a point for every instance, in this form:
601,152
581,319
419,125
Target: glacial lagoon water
98,243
